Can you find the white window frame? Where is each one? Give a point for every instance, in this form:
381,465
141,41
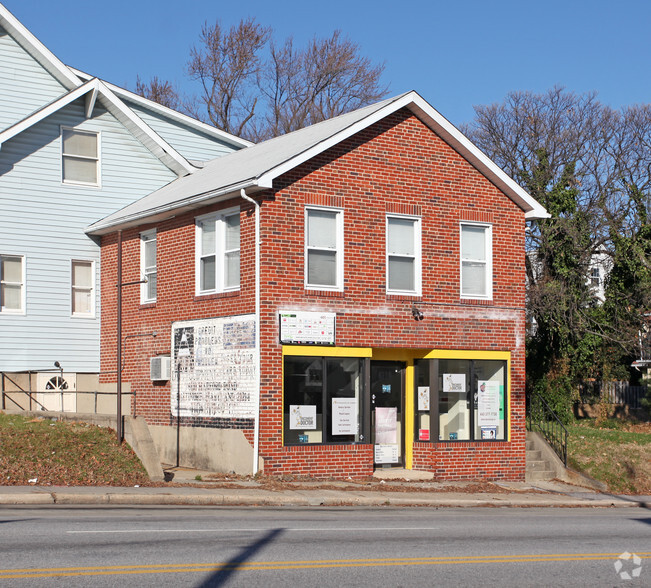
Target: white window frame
220,251
488,248
93,291
146,272
339,249
97,159
21,310
417,257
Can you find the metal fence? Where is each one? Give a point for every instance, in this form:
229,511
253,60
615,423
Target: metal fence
619,393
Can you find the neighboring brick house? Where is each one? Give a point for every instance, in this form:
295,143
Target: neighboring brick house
391,303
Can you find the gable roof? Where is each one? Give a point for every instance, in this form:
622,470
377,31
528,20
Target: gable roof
37,50
78,84
256,167
169,113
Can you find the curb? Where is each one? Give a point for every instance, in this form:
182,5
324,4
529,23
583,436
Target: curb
294,499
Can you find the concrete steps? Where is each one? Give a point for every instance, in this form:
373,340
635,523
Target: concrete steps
537,468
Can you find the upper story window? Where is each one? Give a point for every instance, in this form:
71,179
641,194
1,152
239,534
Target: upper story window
218,252
83,288
12,284
79,157
476,261
595,277
403,253
148,266
324,249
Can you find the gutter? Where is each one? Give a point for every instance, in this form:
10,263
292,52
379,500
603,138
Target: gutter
256,428
170,209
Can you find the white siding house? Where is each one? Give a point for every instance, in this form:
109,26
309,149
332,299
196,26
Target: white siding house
73,149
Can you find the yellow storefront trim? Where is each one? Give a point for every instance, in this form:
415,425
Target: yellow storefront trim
466,354
317,351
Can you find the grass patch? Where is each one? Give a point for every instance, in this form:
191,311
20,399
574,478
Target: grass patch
615,452
62,453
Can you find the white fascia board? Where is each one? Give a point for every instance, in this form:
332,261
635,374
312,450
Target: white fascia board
439,124
144,133
168,211
172,114
37,50
457,140
46,111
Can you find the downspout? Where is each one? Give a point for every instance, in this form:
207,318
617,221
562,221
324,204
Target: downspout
256,426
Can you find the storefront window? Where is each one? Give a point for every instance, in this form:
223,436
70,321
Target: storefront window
322,400
454,400
460,400
489,398
423,400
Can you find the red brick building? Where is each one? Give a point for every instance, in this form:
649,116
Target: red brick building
386,297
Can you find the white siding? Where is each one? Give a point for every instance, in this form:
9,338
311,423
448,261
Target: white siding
44,220
25,86
190,143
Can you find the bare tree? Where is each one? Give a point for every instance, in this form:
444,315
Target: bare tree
160,91
228,64
253,87
590,166
326,79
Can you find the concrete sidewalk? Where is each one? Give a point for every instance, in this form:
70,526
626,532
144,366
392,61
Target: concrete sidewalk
392,490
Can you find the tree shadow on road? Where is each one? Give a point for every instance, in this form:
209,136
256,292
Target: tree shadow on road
227,570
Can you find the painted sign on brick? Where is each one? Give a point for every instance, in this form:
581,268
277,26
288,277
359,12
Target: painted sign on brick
214,368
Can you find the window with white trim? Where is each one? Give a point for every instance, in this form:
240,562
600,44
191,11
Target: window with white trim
403,254
83,288
324,248
79,157
12,284
218,252
476,261
148,266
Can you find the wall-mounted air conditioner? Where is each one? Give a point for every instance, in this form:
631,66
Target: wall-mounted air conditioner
159,368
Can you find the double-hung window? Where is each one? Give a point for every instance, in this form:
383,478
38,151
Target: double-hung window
12,284
218,252
403,255
79,157
148,266
324,248
476,261
83,288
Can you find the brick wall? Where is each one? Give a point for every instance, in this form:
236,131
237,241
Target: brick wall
397,165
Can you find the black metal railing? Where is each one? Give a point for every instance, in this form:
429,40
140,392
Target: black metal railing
540,417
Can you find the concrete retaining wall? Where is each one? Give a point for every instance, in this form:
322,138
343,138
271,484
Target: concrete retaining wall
216,450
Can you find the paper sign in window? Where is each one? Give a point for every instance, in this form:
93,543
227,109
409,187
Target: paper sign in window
302,416
386,424
488,403
423,398
344,416
454,382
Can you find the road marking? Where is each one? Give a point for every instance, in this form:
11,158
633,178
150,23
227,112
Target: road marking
307,564
291,530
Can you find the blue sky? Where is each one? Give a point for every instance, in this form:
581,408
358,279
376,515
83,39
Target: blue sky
455,54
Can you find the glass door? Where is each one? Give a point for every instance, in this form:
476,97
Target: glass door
387,385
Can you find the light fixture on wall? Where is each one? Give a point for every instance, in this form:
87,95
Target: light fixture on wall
417,313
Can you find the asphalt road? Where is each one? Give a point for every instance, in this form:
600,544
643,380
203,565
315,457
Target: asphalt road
171,546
